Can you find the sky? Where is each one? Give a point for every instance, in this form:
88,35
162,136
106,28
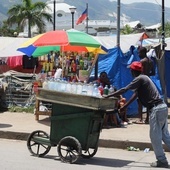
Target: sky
166,2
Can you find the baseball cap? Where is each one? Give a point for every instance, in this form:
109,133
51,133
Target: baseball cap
136,65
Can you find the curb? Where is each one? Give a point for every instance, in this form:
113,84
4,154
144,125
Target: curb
14,135
106,143
123,144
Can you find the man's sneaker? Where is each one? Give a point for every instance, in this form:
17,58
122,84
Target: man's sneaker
160,164
124,124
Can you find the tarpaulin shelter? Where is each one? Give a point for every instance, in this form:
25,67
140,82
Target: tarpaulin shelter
125,40
8,50
115,63
9,45
167,68
163,62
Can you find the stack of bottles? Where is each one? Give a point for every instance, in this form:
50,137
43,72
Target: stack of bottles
89,89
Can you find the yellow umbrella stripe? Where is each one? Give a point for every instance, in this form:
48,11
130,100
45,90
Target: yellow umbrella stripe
96,50
30,41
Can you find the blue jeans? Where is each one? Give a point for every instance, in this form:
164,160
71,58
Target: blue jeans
159,130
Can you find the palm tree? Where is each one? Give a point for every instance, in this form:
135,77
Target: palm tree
32,13
167,29
127,30
5,30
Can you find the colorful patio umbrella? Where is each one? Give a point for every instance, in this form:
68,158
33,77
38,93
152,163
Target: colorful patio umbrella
60,40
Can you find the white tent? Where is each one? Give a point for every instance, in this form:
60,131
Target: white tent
9,45
167,40
168,46
125,41
150,41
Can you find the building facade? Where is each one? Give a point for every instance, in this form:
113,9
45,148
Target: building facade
63,21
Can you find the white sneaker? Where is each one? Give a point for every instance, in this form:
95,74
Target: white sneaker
124,123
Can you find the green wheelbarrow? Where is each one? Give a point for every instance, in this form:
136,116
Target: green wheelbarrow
74,130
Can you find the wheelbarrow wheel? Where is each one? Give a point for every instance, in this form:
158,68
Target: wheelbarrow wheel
35,146
69,149
89,153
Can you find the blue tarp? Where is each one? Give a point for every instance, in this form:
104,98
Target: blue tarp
115,63
167,72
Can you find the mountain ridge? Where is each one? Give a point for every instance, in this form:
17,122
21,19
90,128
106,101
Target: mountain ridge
147,13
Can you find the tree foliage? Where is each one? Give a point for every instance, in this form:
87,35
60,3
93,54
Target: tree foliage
166,28
29,13
127,30
6,31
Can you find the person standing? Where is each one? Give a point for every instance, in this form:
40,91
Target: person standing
149,70
149,96
147,63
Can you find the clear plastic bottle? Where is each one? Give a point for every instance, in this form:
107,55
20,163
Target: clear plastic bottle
59,84
45,84
53,84
50,84
90,89
73,87
56,84
79,87
84,88
101,89
63,85
111,89
68,87
95,90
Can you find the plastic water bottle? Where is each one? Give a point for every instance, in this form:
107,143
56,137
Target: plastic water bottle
68,87
79,87
100,88
56,86
90,89
84,88
106,90
73,87
59,85
111,89
63,85
45,84
50,84
95,90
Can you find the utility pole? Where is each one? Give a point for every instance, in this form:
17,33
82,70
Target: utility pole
163,81
118,23
87,19
54,1
163,25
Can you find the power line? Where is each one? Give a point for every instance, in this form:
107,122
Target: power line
158,3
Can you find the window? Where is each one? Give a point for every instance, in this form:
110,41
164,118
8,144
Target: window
59,15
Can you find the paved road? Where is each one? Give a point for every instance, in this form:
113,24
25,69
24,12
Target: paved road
15,156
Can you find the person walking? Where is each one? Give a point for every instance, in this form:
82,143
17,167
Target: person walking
149,96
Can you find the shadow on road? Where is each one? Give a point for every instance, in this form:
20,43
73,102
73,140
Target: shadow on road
46,121
2,125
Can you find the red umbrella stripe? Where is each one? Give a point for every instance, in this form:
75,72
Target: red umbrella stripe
53,38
